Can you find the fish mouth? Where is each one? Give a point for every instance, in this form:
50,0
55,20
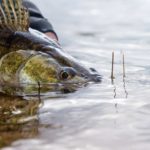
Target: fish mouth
91,76
96,78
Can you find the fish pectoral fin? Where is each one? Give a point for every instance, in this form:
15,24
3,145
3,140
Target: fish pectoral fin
13,16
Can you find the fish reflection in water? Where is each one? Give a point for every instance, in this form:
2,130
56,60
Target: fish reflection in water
18,89
18,118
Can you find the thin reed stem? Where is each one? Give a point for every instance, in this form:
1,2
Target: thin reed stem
123,58
112,69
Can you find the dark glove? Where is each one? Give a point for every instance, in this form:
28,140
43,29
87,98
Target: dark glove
37,21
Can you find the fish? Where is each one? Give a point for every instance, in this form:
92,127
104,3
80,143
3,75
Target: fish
19,118
28,57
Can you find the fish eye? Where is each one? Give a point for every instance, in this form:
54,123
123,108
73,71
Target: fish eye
64,75
67,73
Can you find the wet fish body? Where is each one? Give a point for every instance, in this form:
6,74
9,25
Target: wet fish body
30,57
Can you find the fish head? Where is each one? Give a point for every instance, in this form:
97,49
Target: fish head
75,75
70,69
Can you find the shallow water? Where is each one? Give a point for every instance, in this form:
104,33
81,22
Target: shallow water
102,116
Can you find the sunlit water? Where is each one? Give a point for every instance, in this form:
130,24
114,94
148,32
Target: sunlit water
102,116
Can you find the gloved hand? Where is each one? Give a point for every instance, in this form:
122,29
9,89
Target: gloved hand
38,21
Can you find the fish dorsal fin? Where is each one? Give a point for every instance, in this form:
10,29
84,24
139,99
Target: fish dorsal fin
13,16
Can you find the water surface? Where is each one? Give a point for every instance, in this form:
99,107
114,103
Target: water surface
102,116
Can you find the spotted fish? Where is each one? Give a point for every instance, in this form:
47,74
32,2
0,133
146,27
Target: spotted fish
28,56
